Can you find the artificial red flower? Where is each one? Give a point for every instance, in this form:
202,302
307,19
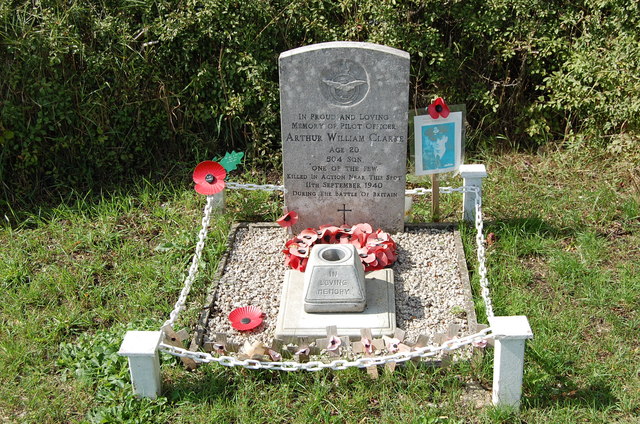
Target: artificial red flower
375,249
299,250
438,109
292,261
209,177
328,234
308,236
365,228
288,219
246,318
366,256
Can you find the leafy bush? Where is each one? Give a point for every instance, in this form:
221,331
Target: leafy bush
96,92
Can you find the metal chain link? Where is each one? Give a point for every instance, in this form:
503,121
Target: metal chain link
195,263
481,253
264,187
480,250
338,364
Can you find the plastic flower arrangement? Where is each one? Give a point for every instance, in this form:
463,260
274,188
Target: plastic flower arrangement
376,248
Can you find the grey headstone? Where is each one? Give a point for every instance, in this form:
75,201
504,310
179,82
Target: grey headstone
344,108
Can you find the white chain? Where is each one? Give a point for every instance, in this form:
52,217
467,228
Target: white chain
339,364
264,187
195,263
481,253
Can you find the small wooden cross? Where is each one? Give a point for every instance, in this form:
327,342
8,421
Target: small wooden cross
175,339
422,341
440,338
301,350
332,343
252,351
368,347
221,345
394,345
479,328
275,351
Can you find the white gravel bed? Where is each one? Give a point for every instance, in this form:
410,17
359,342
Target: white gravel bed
429,290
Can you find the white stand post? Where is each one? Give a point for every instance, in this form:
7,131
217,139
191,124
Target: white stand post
141,348
472,176
508,363
218,201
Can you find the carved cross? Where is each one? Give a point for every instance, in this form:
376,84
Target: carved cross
422,341
344,211
275,351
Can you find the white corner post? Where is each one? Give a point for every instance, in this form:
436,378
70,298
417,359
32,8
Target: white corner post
472,176
508,362
141,348
218,201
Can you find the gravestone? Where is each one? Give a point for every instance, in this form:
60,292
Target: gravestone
344,109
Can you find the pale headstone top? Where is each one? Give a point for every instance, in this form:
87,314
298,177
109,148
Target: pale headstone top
344,109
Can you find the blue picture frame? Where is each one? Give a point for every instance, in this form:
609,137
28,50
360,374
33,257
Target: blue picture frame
438,143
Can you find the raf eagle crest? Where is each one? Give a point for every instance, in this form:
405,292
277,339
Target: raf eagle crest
344,83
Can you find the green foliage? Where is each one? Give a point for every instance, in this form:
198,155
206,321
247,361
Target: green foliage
93,359
94,93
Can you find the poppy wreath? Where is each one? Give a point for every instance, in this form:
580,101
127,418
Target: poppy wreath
376,249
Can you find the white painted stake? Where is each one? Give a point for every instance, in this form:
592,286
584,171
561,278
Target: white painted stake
508,363
141,348
472,176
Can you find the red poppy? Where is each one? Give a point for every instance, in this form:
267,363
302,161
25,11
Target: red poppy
209,177
246,318
365,228
288,219
292,261
328,234
438,109
299,250
375,249
308,236
366,256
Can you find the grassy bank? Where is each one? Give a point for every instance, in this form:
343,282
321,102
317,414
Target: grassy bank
565,253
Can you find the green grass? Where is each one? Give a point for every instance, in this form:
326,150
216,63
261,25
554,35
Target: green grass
76,276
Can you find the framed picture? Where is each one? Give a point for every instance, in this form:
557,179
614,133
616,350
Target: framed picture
438,143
